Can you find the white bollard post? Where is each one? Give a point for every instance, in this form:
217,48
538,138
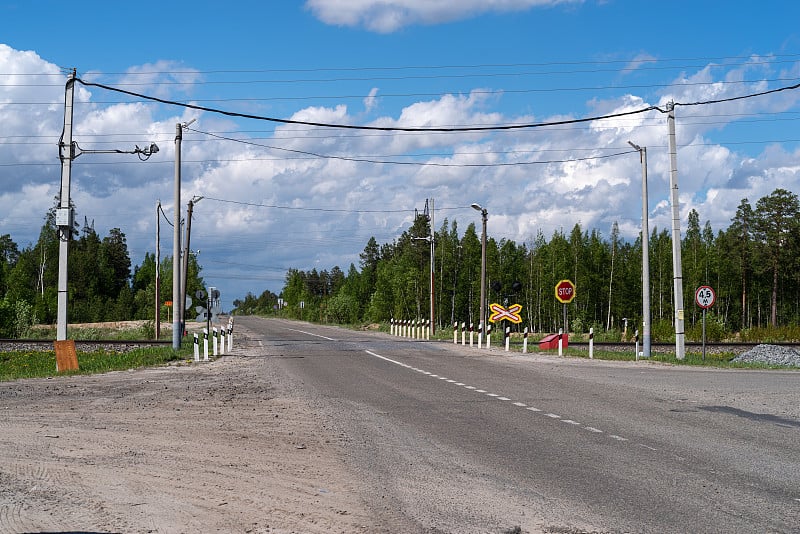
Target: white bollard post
480,335
221,340
463,333
525,341
508,337
230,338
471,333
214,341
205,344
455,333
591,343
196,348
488,336
428,331
637,344
560,341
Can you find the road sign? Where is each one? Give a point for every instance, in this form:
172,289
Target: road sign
565,291
512,313
705,297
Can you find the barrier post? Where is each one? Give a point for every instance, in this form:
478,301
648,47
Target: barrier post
508,337
428,331
525,341
214,340
455,333
221,340
463,333
230,337
636,337
560,341
591,343
471,333
205,344
480,335
196,348
488,336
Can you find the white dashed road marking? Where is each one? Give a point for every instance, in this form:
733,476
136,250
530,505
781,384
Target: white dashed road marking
493,395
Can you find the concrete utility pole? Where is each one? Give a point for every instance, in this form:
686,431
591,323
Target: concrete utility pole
64,212
646,337
189,210
433,267
158,269
176,245
680,335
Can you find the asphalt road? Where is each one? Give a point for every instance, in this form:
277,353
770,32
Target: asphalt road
456,439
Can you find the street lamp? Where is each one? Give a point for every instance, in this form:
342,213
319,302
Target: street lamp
645,255
484,217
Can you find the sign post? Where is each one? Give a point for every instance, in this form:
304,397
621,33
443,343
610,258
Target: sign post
565,292
705,298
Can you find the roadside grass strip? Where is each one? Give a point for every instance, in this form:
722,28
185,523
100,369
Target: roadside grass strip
497,396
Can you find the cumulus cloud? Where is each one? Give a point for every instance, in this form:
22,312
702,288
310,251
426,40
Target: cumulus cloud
295,195
386,16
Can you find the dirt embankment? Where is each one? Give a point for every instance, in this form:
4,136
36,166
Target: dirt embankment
204,447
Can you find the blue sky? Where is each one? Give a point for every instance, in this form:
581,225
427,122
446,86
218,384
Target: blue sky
409,63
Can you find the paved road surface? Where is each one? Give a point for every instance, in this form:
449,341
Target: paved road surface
453,439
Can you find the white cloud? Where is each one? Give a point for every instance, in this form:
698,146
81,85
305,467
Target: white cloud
569,183
386,16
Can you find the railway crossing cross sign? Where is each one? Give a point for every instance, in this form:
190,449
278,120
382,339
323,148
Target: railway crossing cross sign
512,313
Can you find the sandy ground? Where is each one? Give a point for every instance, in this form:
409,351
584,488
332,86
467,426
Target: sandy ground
205,447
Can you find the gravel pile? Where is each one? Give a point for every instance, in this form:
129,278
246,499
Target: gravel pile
771,355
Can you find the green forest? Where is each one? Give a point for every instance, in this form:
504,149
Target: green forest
101,284
753,266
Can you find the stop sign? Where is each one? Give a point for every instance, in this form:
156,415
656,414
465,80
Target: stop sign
565,291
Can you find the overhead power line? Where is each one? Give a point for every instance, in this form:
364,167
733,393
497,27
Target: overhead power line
431,129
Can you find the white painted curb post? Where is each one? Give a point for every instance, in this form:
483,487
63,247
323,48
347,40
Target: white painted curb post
214,340
455,333
463,333
480,335
205,344
488,336
508,337
591,343
196,348
525,341
560,341
471,333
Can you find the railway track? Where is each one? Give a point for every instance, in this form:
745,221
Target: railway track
112,345
736,348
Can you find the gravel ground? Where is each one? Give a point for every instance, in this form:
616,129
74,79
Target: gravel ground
771,355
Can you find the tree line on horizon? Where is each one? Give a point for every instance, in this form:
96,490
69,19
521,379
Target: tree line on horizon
753,266
101,285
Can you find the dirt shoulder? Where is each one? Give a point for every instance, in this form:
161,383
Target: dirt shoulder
201,447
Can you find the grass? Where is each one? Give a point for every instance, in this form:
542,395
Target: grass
42,364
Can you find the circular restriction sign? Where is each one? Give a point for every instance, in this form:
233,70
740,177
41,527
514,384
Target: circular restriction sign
705,297
565,291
